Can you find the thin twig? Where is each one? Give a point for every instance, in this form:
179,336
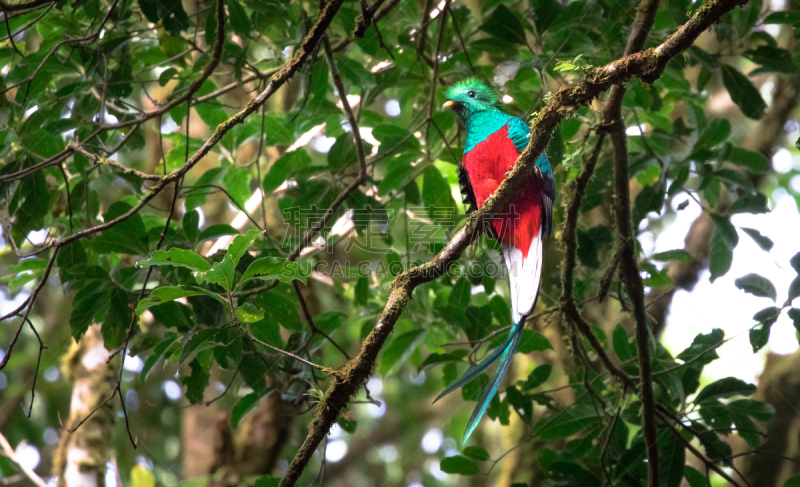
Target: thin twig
12,455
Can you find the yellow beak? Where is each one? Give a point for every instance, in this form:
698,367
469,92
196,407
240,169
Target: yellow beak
448,104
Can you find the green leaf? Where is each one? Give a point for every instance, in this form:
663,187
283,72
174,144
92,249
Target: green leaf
441,358
726,231
794,290
343,153
478,322
267,481
284,167
240,21
545,12
533,341
794,315
167,75
397,352
349,425
280,309
757,285
215,231
267,331
127,237
756,161
436,194
570,473
785,17
795,262
171,12
459,464
758,410
142,477
222,273
476,453
705,345
361,291
459,296
537,377
158,352
174,314
764,242
723,388
395,139
743,93
561,424
397,176
87,302
721,257
190,225
500,310
668,255
274,268
196,382
695,478
243,407
759,334
164,294
717,132
620,342
749,203
200,337
237,183
792,482
504,25
733,178
649,176
198,198
70,257
247,313
254,371
177,257
241,244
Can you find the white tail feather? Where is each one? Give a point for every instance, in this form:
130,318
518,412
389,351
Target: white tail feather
524,276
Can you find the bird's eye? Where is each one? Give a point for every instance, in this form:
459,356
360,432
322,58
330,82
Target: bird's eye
471,94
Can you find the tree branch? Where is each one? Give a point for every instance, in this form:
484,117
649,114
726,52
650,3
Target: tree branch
629,272
12,455
17,5
647,66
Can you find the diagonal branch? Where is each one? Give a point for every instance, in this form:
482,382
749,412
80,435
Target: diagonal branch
647,65
18,5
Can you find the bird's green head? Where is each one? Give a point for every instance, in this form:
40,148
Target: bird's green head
470,97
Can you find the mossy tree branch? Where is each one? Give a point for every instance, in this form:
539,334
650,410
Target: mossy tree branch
647,66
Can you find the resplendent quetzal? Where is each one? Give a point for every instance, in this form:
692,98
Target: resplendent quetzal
494,141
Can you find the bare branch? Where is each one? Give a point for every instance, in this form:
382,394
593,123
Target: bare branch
645,16
12,455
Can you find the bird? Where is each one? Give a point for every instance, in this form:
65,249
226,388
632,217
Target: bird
494,142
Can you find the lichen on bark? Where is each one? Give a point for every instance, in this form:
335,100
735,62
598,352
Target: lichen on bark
81,456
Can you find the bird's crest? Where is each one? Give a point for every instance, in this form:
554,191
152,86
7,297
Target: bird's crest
484,97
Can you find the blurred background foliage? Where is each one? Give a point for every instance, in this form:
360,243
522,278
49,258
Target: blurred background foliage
90,86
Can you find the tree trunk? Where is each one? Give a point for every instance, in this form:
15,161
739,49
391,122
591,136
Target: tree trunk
779,386
81,457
